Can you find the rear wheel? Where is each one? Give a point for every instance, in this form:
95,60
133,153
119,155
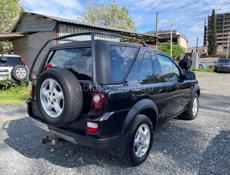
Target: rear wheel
192,109
140,140
59,96
19,73
52,98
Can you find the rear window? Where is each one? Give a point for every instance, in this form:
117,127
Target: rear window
121,59
10,61
77,59
224,60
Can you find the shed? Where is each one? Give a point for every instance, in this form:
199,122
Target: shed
32,30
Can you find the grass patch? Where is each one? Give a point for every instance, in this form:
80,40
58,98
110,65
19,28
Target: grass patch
209,69
14,95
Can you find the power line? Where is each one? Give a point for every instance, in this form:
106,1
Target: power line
223,5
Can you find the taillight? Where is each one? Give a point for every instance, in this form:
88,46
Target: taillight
97,107
48,66
32,93
92,127
23,62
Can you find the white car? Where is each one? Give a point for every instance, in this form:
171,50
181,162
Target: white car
13,68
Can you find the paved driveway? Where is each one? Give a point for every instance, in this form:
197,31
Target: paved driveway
201,146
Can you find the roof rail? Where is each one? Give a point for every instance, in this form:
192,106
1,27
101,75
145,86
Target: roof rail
80,34
99,33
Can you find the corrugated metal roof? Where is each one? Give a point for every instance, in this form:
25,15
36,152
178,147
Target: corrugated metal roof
80,23
9,36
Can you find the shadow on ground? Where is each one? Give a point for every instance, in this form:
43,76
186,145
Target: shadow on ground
216,158
179,146
26,138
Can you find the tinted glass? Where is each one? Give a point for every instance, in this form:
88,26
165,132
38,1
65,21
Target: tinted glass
121,59
224,60
146,68
10,61
169,71
78,59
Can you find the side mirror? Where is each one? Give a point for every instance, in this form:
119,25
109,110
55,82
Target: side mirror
190,76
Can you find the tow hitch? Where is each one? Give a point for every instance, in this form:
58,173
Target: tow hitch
51,141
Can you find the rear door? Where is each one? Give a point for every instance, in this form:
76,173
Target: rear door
80,62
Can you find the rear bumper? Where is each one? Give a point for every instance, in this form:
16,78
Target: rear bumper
78,138
114,144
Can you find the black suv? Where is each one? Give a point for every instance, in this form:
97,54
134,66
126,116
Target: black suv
109,95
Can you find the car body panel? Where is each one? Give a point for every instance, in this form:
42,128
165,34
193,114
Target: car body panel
5,73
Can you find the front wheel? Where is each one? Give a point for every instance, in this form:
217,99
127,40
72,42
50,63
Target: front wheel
140,140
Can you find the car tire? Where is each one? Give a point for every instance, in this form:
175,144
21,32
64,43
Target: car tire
19,73
192,109
140,123
59,96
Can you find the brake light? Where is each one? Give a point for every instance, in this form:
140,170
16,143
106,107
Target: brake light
97,103
32,93
92,127
48,66
23,61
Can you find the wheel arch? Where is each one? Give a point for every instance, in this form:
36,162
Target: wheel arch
146,107
196,90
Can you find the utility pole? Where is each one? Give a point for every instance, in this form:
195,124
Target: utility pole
197,41
171,40
228,44
156,30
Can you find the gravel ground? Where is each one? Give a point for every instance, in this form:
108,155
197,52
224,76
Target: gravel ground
201,146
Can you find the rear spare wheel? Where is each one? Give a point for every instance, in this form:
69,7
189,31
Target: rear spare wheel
19,73
59,96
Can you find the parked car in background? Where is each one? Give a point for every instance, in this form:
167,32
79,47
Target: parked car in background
12,67
222,65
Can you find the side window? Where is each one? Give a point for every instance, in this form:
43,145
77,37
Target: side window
121,59
146,67
147,72
169,71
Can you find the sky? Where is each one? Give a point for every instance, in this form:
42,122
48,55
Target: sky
185,16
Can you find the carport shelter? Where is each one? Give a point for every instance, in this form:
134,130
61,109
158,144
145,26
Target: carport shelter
32,30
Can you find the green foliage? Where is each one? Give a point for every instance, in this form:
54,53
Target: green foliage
212,44
109,15
9,11
209,69
12,93
6,84
176,49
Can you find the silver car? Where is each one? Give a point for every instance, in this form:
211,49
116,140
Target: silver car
13,68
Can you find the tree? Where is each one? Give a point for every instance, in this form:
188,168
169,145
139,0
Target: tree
176,49
212,44
109,15
9,11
